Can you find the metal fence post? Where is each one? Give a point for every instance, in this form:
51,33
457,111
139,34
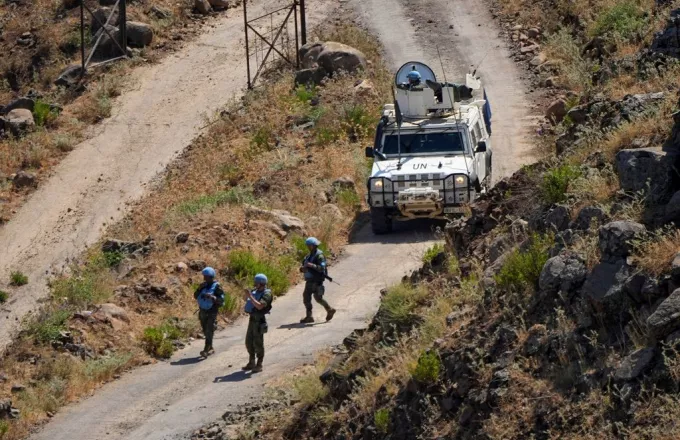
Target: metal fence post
297,38
82,40
303,23
245,22
123,26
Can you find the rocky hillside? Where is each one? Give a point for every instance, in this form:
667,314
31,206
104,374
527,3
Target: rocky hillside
552,311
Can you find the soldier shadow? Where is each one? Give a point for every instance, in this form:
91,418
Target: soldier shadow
298,325
415,231
236,376
187,361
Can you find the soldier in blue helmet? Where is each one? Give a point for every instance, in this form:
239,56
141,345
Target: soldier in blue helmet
210,298
414,77
258,304
315,272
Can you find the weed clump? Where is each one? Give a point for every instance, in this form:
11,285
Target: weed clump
3,296
49,328
158,341
556,183
399,303
432,252
381,418
89,285
623,20
18,278
244,265
523,267
233,196
427,368
43,113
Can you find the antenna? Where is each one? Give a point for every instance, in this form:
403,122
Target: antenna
474,72
399,117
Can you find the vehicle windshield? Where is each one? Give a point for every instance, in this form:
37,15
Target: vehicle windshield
424,143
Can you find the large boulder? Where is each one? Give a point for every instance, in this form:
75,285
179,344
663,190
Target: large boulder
667,42
673,208
109,45
558,218
311,76
666,318
22,179
605,286
587,215
19,121
647,169
616,239
556,111
635,364
309,54
283,219
24,103
338,57
70,76
563,273
114,311
99,17
138,34
220,4
202,6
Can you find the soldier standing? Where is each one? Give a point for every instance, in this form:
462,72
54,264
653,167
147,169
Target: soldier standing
210,298
314,269
258,304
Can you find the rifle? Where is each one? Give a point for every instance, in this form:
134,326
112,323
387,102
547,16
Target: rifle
325,275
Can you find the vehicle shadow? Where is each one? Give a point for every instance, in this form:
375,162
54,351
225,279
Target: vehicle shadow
187,361
236,376
415,231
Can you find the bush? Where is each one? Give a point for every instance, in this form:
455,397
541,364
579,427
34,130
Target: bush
3,296
399,303
244,265
565,52
158,341
305,94
556,182
432,252
4,428
623,20
113,258
262,139
18,279
234,196
349,199
357,122
427,369
105,368
43,113
48,327
381,418
230,304
87,287
523,267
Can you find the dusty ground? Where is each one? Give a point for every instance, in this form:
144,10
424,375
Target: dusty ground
92,187
151,124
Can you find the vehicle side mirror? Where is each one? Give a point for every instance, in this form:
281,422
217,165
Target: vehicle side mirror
369,152
481,147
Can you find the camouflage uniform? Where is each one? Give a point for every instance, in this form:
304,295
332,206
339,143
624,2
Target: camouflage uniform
257,326
208,317
314,282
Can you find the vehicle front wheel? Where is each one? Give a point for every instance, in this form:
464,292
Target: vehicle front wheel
380,222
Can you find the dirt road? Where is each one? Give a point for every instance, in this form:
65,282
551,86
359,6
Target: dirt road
152,122
170,400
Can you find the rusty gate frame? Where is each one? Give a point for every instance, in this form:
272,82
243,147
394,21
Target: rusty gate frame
299,38
121,43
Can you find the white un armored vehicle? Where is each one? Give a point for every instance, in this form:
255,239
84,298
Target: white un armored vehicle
432,152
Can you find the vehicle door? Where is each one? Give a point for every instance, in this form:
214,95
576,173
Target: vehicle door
478,135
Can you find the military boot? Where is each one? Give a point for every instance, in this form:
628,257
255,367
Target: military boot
329,314
258,367
307,320
250,365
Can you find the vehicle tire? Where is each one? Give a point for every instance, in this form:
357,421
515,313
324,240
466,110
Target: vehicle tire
380,223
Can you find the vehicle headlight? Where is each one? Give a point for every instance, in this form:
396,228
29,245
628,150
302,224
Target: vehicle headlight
461,181
377,185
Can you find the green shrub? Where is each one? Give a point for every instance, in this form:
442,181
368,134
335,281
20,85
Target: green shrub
381,418
230,303
564,51
427,369
113,258
17,278
432,252
398,305
106,367
88,286
4,428
326,136
48,327
43,114
233,196
357,121
349,199
624,20
262,140
244,265
3,296
523,267
556,182
158,341
300,247
305,94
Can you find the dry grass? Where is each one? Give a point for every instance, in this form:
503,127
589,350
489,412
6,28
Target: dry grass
655,255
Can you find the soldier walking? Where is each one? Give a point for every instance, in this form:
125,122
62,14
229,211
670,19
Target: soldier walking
315,272
258,304
210,298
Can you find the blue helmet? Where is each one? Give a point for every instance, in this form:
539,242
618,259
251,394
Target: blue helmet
209,272
261,278
313,241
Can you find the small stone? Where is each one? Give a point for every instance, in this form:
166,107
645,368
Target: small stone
556,111
182,237
22,179
181,267
17,388
635,364
197,265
